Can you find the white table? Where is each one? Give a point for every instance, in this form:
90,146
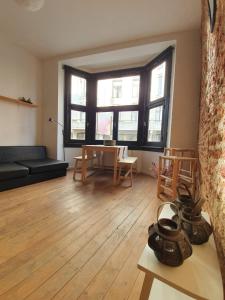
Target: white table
198,277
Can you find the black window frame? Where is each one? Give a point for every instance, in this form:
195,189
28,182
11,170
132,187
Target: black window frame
116,109
68,106
163,101
143,106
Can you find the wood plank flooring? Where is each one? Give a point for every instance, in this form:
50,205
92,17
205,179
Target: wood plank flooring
61,239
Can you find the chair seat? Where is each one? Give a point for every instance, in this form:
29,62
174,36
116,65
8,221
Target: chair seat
127,163
86,157
128,160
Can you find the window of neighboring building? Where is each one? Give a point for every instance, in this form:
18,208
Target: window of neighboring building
157,83
128,126
130,106
155,124
78,90
104,126
117,91
78,120
135,87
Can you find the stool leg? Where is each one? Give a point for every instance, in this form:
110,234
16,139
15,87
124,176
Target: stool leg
146,287
99,160
119,173
131,175
75,169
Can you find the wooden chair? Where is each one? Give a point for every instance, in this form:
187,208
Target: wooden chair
170,174
127,165
78,163
185,166
179,152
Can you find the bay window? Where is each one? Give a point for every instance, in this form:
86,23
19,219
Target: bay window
130,106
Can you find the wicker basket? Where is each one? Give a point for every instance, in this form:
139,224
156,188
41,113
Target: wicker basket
194,224
169,242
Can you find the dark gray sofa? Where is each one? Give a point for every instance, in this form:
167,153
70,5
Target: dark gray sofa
23,165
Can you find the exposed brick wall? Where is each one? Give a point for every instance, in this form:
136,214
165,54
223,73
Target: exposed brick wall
212,123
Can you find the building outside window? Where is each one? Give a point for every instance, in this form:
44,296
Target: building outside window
78,119
117,89
78,90
128,126
104,126
155,124
158,82
135,87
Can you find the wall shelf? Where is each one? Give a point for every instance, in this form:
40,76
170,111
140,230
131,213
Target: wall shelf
17,101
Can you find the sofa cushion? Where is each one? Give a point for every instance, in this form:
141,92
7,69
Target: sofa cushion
15,153
12,170
43,165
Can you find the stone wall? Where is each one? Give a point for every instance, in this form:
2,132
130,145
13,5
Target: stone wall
212,123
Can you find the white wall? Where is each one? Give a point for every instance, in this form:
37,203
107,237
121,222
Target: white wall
60,150
50,107
186,93
183,123
20,76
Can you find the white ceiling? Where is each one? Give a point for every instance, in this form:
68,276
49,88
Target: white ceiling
66,26
118,59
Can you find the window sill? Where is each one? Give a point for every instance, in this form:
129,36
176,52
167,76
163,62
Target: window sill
130,147
146,148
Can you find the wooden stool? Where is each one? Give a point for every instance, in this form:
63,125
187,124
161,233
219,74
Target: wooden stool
127,163
171,174
78,164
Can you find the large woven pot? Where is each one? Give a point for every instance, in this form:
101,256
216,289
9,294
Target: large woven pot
168,241
184,200
194,224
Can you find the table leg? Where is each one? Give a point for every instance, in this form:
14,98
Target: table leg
146,287
103,160
115,168
84,166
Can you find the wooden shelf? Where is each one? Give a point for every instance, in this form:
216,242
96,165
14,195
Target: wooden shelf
17,101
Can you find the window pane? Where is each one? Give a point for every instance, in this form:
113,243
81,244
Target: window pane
78,90
104,126
118,91
128,126
157,82
155,124
78,119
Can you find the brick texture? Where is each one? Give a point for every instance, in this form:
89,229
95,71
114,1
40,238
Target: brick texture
212,123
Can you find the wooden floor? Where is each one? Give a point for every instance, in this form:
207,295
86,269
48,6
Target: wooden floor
65,240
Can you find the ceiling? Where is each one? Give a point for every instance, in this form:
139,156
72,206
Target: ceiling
118,59
67,26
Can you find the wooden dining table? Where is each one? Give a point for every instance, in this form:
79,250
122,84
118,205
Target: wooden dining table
88,150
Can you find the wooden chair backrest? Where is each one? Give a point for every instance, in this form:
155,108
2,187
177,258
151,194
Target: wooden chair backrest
179,152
